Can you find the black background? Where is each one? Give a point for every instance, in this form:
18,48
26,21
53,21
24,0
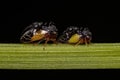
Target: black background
102,19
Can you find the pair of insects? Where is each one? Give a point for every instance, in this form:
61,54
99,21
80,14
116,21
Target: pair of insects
39,31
